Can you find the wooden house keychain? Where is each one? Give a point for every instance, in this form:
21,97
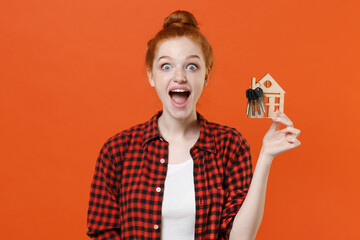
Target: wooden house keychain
264,98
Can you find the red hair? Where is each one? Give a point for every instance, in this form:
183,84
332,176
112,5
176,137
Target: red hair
179,24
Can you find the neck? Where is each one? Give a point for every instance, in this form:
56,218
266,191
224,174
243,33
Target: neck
173,128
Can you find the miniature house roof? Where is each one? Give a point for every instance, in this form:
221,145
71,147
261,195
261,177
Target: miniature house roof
274,88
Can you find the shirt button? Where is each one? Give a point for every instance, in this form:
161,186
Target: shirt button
162,160
156,226
158,190
161,139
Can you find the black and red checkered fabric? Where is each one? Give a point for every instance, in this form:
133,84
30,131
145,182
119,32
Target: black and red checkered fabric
128,185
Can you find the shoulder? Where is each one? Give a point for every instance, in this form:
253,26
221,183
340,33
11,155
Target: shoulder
227,133
229,141
129,136
134,131
231,145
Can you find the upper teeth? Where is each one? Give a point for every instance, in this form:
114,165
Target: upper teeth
179,90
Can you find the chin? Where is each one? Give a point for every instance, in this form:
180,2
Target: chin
181,114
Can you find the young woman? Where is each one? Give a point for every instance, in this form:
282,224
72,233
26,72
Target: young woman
178,176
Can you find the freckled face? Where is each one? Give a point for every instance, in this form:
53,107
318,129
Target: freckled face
179,75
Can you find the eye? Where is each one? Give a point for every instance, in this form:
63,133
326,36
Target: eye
165,66
192,67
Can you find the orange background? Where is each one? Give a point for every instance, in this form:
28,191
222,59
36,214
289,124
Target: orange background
73,74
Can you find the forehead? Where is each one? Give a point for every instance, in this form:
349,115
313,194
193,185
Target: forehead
178,48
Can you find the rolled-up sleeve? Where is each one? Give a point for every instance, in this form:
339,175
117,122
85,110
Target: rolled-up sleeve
238,177
103,219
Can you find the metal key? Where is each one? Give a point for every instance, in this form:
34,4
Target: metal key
253,97
260,94
257,102
249,100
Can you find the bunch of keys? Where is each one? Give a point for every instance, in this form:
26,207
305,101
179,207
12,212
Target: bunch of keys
255,96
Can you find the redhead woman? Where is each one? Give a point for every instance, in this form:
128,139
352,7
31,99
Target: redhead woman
178,176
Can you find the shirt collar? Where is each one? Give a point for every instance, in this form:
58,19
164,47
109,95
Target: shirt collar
205,142
151,130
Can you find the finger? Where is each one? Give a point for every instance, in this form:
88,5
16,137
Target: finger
296,143
291,139
283,115
276,114
274,125
284,120
291,130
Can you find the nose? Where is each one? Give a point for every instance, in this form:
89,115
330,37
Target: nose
180,76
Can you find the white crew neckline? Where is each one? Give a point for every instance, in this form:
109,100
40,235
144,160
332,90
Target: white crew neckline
180,164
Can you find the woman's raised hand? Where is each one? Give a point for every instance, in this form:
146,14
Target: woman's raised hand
277,141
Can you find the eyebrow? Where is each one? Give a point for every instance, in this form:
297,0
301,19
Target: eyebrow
191,56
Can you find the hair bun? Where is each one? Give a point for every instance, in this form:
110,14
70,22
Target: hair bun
180,19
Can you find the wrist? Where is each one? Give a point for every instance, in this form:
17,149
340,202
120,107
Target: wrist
266,155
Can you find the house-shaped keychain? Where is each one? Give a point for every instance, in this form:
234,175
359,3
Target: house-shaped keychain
273,96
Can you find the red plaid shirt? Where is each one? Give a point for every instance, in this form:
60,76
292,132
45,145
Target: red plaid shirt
128,185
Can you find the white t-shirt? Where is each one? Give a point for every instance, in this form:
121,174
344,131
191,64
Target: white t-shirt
178,207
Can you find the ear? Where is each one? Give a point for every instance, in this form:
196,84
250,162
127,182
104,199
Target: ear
207,75
150,77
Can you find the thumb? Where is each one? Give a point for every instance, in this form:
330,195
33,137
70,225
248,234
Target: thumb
275,124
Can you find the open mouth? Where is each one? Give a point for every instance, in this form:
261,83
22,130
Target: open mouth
179,96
